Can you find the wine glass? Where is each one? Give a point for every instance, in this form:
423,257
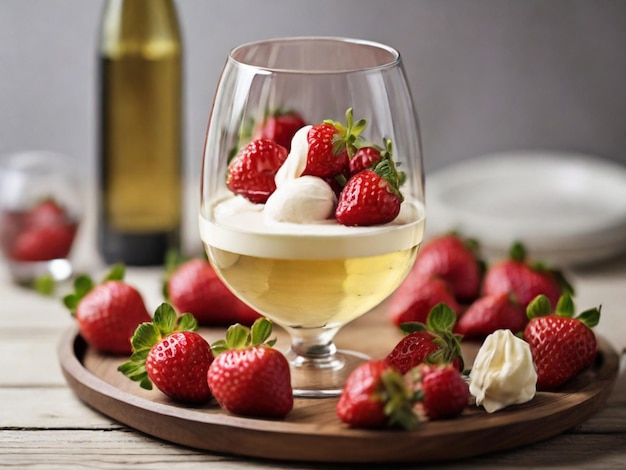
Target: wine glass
311,278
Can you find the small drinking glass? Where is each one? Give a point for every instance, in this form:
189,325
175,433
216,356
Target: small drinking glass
40,210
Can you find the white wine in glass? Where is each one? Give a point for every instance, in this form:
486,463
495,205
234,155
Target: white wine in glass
308,273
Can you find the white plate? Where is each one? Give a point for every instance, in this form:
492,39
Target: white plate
566,208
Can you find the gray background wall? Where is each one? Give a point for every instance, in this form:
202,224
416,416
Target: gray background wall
486,75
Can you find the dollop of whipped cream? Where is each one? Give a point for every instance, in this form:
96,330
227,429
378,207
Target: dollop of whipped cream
295,163
301,200
503,373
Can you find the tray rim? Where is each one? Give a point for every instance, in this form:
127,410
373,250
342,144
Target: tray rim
348,445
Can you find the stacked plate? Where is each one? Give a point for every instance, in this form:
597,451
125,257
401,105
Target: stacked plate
567,209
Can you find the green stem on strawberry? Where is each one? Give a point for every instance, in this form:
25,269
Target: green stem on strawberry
398,401
241,337
164,323
440,322
387,169
44,285
347,134
540,306
83,284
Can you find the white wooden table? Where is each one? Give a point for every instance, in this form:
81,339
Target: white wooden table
43,425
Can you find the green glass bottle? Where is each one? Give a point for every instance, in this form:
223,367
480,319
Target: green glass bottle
140,138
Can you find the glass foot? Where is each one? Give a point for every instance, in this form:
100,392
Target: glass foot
322,376
24,273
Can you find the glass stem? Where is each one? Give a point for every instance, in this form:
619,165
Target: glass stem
313,348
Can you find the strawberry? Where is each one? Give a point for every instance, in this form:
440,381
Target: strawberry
47,212
251,172
194,287
364,158
416,296
454,260
523,279
168,352
371,197
440,390
561,345
337,182
331,144
432,342
374,396
248,376
490,313
43,243
43,233
281,127
108,313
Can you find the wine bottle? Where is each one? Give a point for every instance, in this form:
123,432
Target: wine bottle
140,160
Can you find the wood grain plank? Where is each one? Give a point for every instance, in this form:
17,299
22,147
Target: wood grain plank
24,308
117,449
48,408
30,356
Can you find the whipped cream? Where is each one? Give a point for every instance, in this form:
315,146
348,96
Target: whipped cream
503,373
302,200
295,163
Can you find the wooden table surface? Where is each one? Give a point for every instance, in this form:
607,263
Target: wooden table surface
43,425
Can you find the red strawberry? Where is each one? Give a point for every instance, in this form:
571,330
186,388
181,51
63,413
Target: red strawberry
490,313
337,182
249,377
107,313
43,243
562,346
376,396
194,287
441,391
43,233
331,144
523,279
416,296
433,342
364,158
169,353
281,127
48,212
251,173
324,158
371,197
454,260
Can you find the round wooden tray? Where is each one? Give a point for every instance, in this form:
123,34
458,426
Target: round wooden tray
312,432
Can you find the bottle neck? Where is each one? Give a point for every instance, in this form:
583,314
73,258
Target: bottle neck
147,28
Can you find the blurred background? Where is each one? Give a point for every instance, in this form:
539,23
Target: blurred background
486,75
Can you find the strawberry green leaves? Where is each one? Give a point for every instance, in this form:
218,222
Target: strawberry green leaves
440,324
347,135
241,337
83,284
540,306
164,322
397,399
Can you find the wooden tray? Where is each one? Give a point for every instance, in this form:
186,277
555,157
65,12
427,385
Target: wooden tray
312,432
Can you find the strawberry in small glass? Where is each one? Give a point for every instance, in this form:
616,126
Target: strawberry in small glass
40,209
